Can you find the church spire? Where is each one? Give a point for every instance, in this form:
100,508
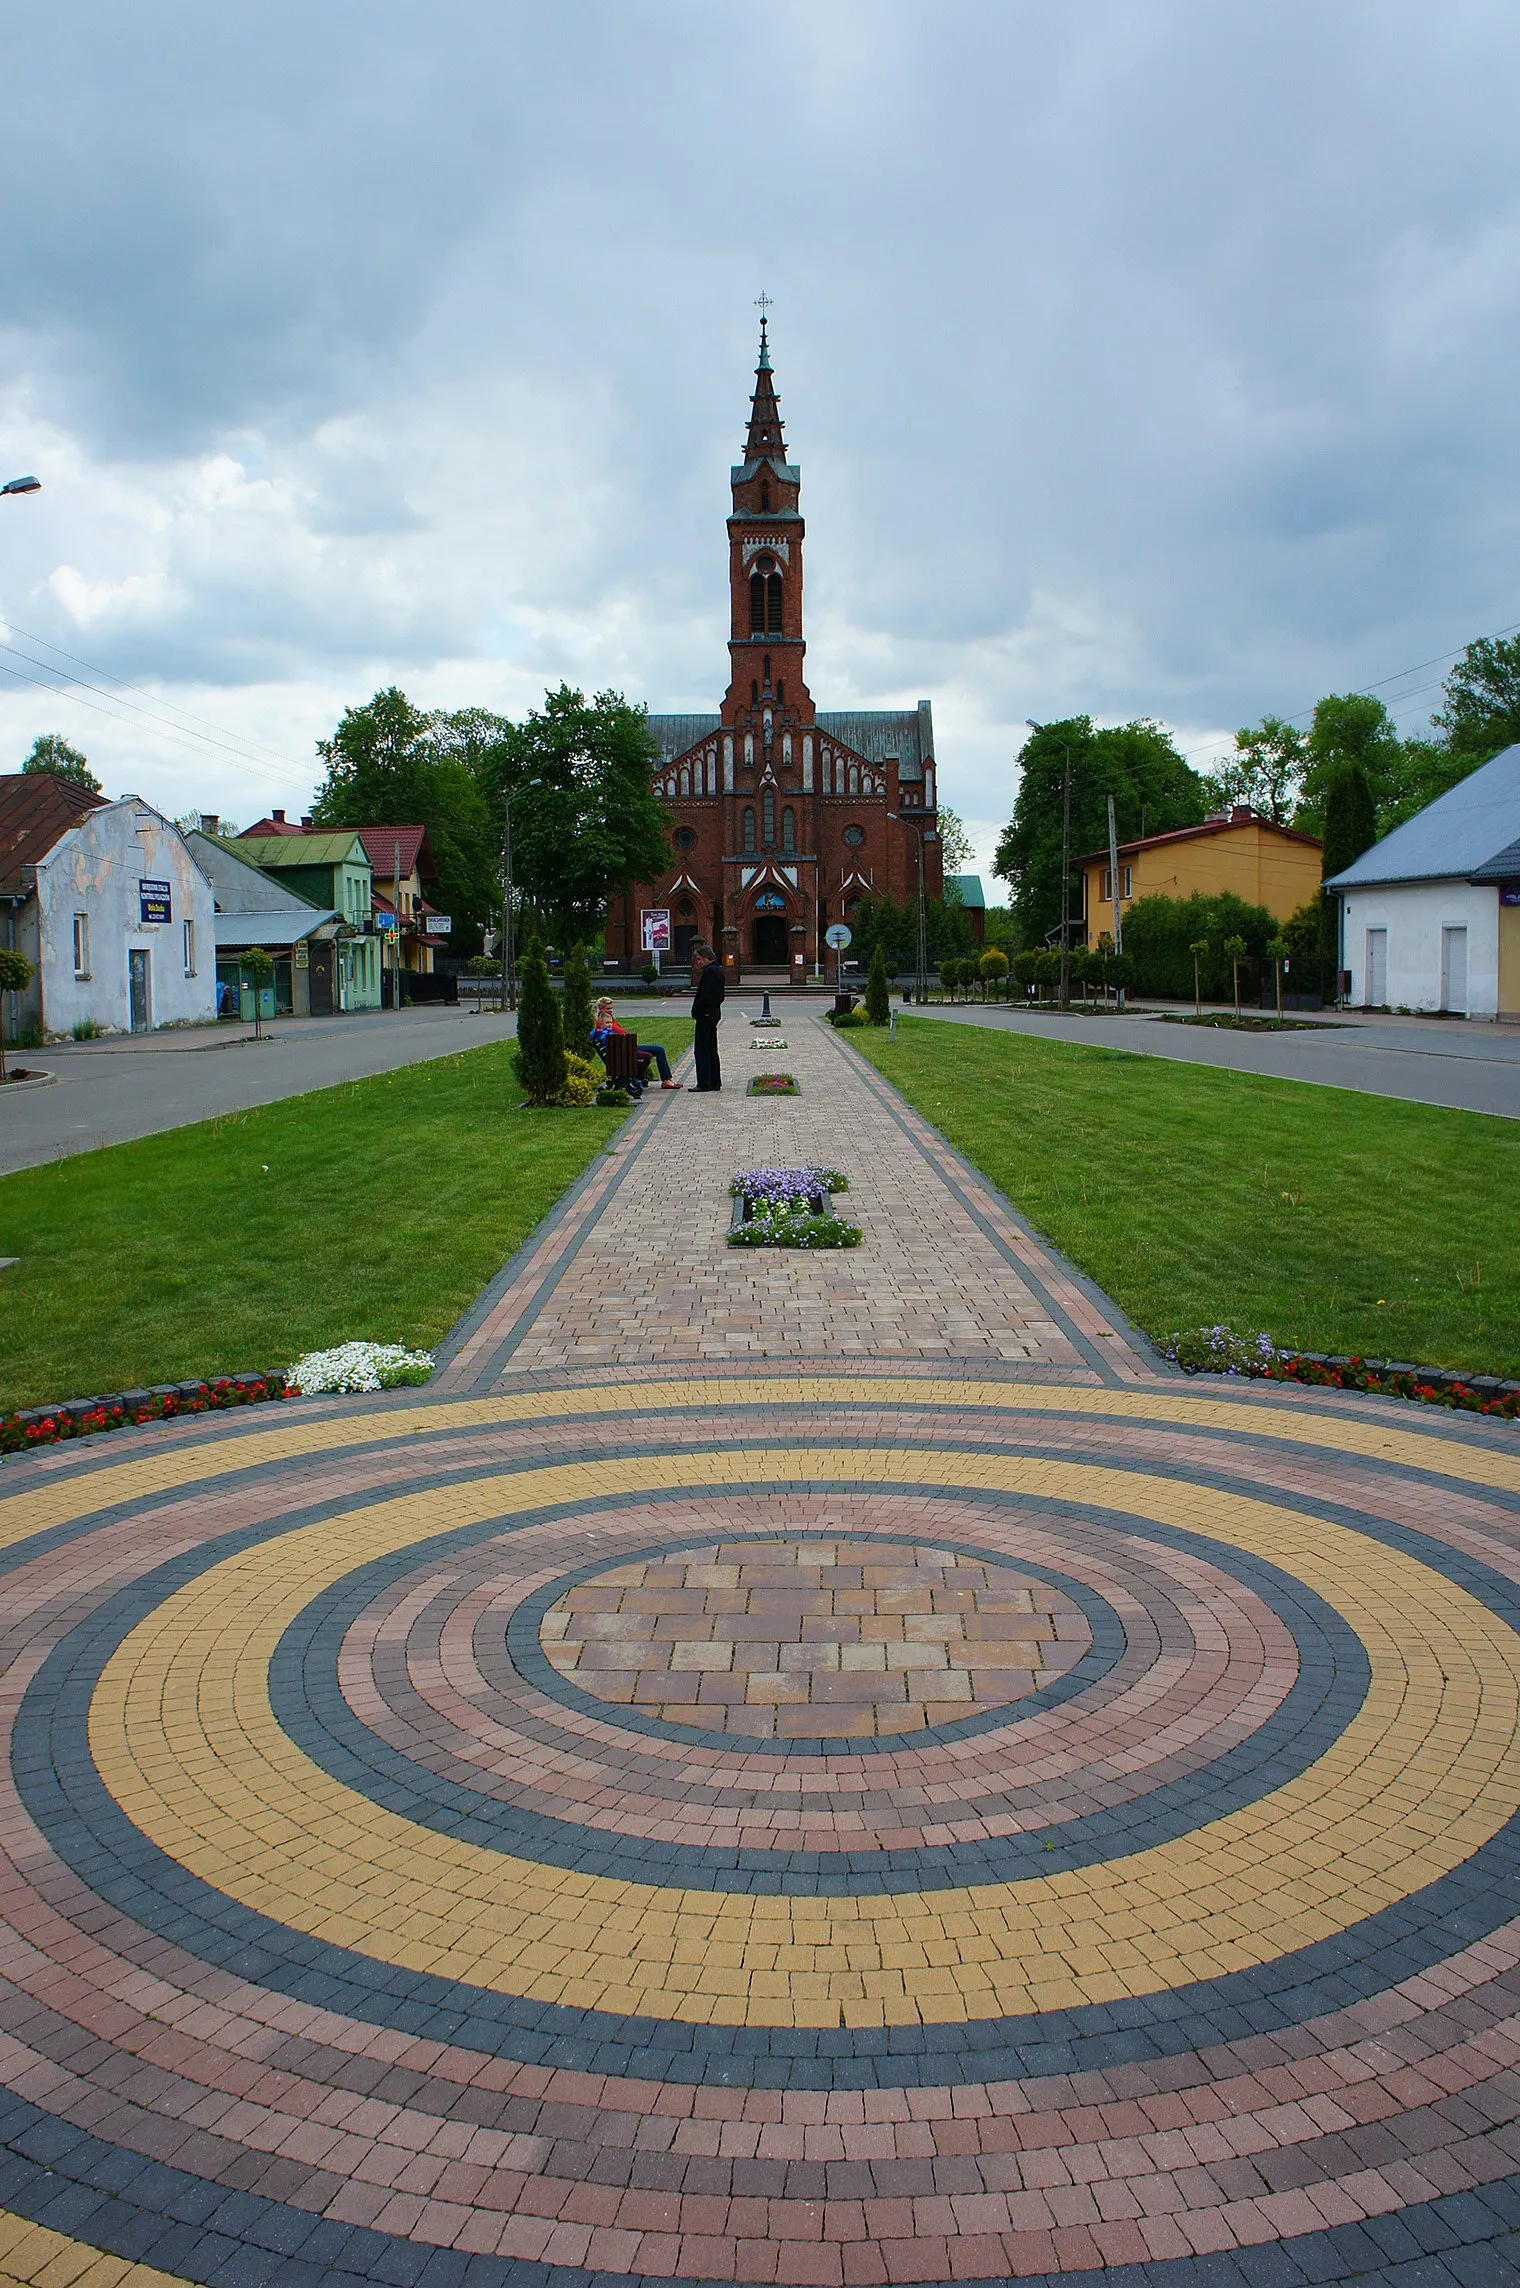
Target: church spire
765,441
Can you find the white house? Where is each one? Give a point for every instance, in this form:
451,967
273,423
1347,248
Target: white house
109,905
1430,916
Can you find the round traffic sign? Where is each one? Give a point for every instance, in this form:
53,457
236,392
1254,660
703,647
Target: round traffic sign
837,935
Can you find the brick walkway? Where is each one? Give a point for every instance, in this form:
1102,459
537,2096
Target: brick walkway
969,1808
637,1272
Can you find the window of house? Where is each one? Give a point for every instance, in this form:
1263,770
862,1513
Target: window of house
81,945
189,949
749,830
768,810
788,830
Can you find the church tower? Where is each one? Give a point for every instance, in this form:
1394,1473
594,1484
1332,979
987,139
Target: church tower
782,820
767,700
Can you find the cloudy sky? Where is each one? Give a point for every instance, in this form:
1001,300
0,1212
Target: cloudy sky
1143,358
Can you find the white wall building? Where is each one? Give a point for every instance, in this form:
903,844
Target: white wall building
1430,916
116,916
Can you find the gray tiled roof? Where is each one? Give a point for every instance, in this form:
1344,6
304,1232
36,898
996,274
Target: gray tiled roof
271,925
243,888
877,732
873,732
1459,836
673,734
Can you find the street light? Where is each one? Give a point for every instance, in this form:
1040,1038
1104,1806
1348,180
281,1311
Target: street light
508,960
925,831
1065,861
22,485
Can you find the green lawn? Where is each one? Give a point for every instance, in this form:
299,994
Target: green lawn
374,1210
1328,1220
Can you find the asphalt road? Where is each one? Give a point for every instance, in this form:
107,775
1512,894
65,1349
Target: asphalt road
1423,1060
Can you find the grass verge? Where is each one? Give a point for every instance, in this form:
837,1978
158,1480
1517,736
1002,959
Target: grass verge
376,1209
1329,1220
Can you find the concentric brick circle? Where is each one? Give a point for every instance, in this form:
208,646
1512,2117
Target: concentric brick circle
349,1932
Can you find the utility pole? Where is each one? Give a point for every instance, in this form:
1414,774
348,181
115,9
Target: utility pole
1113,876
508,969
1065,861
396,942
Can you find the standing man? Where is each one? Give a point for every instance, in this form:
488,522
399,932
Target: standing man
706,1007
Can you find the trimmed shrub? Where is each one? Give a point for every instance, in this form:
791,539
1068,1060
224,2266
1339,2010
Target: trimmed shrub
992,968
1160,933
575,1001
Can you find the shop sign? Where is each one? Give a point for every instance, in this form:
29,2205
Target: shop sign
439,925
155,901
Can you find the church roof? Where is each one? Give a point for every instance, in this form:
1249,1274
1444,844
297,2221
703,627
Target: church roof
877,732
673,734
874,733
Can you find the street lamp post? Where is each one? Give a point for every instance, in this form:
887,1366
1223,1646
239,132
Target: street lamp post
1065,861
22,485
924,831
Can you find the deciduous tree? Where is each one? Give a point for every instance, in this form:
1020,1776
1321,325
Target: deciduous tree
586,821
1266,770
1153,788
52,753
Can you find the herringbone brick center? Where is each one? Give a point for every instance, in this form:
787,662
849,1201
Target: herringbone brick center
810,1639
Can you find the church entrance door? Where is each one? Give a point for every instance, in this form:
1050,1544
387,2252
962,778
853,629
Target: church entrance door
685,937
772,941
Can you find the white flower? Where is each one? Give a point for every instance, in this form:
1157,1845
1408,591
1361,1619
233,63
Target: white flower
359,1366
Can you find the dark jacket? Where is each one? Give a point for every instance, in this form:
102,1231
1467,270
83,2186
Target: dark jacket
707,1001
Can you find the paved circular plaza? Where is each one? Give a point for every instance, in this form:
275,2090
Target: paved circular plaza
787,1827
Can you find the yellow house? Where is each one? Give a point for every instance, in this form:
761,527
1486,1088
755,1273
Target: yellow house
1266,865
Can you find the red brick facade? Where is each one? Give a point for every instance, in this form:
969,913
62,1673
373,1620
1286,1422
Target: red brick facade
783,818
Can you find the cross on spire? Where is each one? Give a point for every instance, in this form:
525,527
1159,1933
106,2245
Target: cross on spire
763,303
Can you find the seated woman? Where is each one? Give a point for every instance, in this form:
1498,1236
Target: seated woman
649,1053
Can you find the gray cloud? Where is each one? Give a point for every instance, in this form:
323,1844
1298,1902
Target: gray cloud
1140,358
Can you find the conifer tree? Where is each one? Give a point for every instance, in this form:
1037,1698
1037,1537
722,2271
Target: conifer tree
575,1002
540,1036
1350,828
878,1011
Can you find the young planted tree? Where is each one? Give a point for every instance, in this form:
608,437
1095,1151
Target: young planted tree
878,1007
575,1004
540,1035
260,967
1235,949
15,977
992,968
1199,949
1277,954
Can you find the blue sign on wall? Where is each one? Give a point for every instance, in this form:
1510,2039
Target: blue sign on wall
154,901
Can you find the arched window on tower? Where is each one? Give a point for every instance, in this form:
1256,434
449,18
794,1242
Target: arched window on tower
768,817
788,831
757,603
765,498
773,605
749,832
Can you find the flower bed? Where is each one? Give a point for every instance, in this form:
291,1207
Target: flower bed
786,1185
1219,1350
358,1366
774,1084
87,1417
788,1207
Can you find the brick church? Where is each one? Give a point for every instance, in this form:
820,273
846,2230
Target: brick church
783,818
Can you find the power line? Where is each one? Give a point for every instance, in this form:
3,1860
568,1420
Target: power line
1365,690
119,710
252,747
